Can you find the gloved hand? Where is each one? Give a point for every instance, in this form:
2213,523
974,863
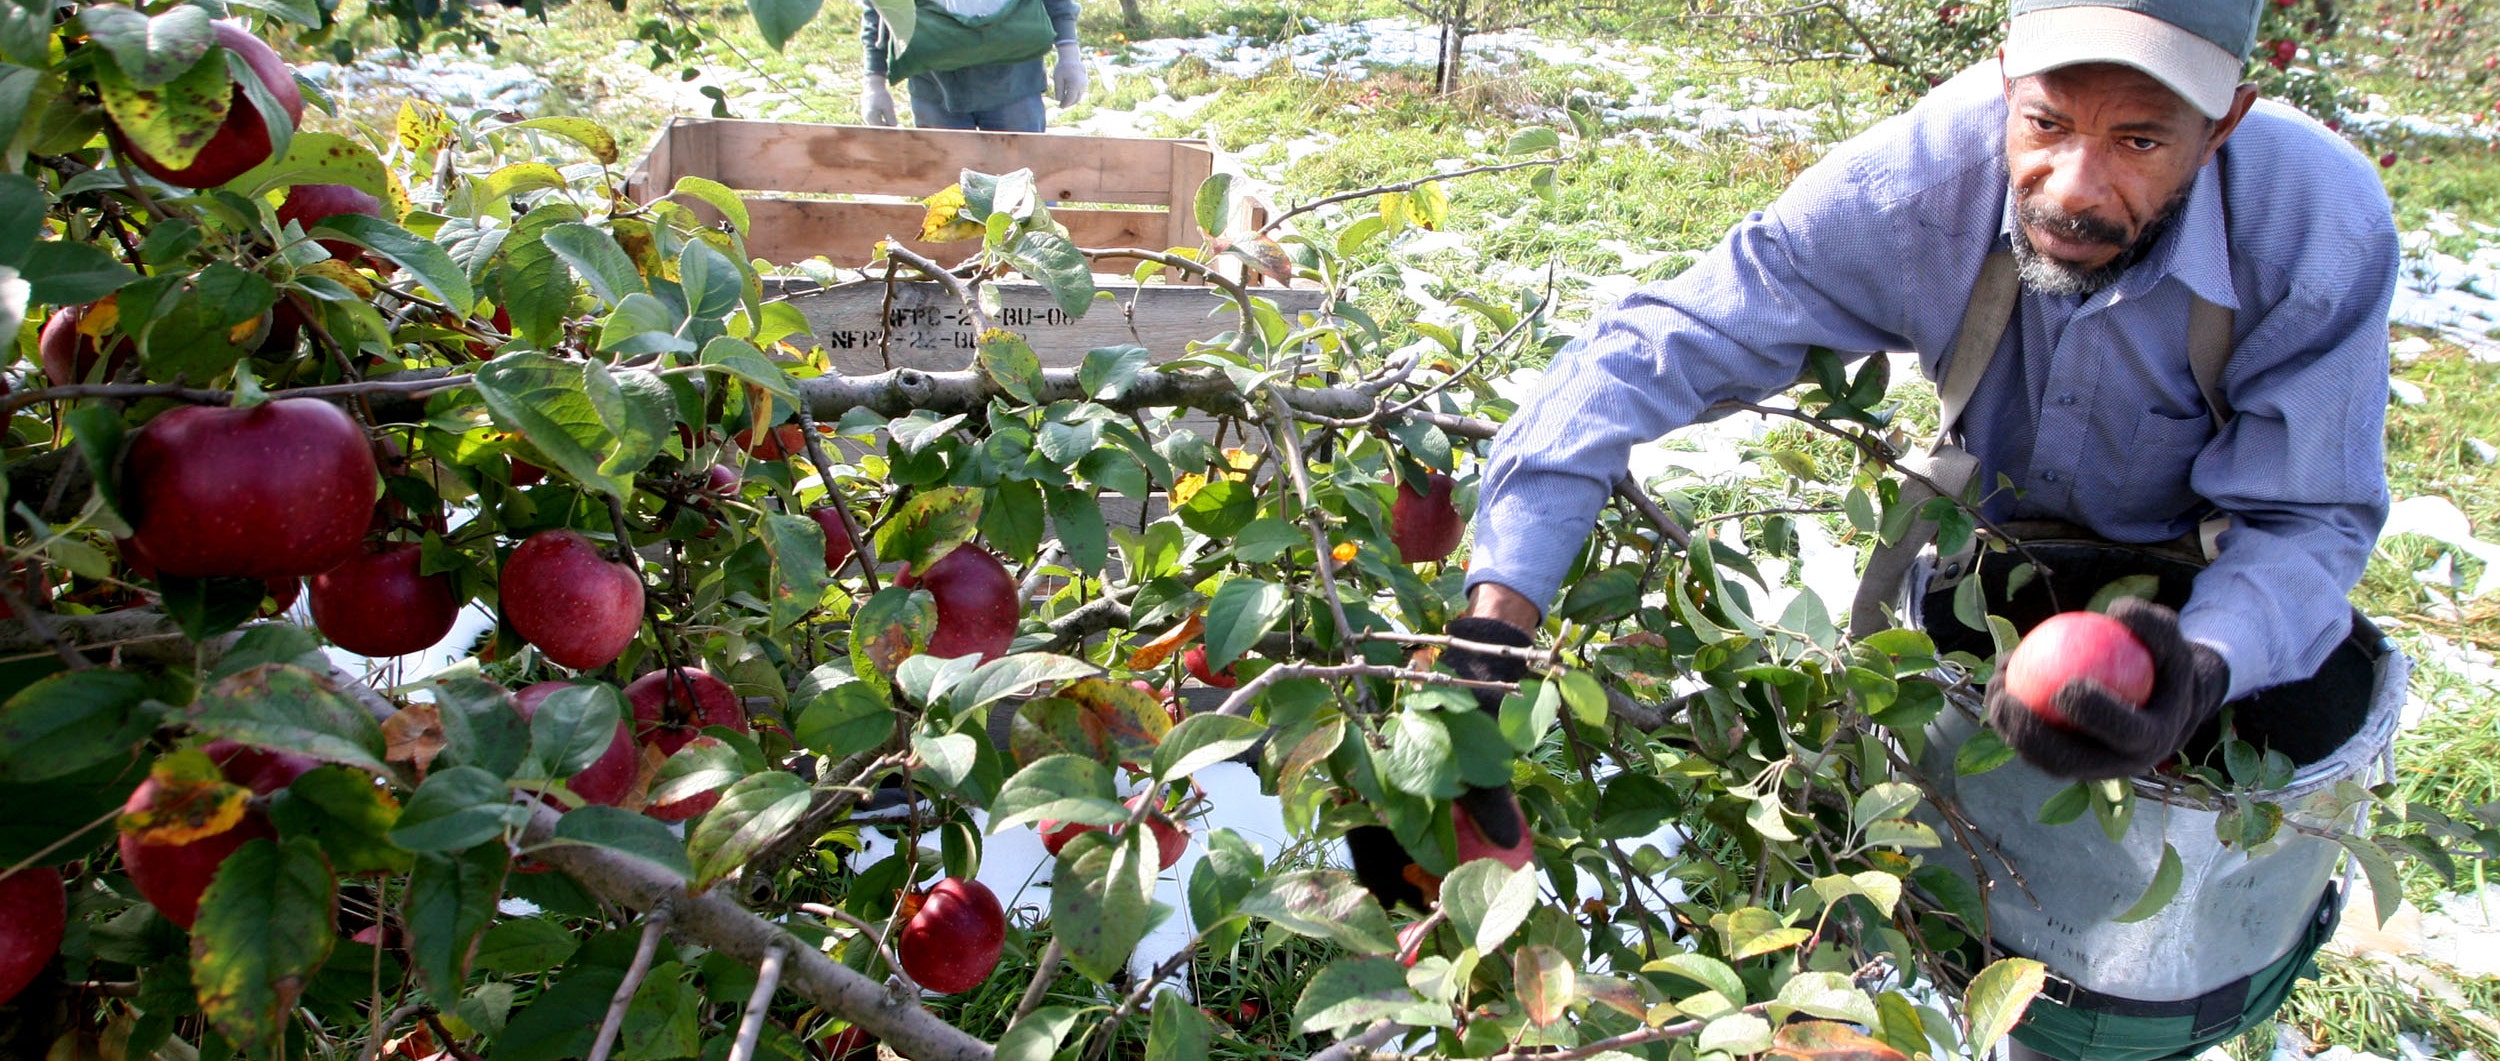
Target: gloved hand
876,100
1384,867
2103,738
1067,77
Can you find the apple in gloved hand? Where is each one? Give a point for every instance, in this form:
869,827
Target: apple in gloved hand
2076,701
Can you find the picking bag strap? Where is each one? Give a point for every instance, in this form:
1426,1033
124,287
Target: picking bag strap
1945,464
2209,351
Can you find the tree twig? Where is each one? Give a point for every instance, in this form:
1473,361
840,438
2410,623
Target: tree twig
1401,186
654,926
767,981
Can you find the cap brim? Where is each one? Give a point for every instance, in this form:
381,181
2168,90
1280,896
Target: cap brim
2200,71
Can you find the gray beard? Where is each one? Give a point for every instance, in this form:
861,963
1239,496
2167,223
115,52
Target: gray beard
2054,276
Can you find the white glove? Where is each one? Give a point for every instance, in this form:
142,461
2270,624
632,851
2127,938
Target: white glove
1067,79
876,101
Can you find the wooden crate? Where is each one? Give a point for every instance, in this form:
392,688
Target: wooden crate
1108,191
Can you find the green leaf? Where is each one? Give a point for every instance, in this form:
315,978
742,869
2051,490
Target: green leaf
264,928
602,145
1077,516
797,546
430,264
1984,751
1586,698
526,946
1009,362
1357,991
779,20
1243,611
711,282
1488,901
518,177
1532,140
2140,587
929,526
1221,879
949,759
66,273
1890,799
626,833
1711,973
1012,521
71,721
1604,597
1997,998
171,121
2067,805
1527,715
1736,1033
741,360
1546,983
1201,741
456,808
699,766
1058,266
662,1021
559,1024
150,51
291,709
893,626
597,259
845,720
1323,904
1109,371
1017,675
2157,894
574,726
1178,1031
1058,787
1214,205
1418,758
450,900
1102,899
344,812
1220,509
751,814
547,401
1037,1036
1828,995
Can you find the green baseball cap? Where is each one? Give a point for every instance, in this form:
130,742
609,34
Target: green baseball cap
2196,47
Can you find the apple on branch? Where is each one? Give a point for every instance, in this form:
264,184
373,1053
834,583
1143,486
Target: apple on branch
952,941
242,141
563,595
976,602
277,490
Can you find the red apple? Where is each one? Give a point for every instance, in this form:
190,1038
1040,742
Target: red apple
671,707
34,911
1473,844
308,205
2078,647
722,479
526,474
849,1044
527,700
69,357
379,604
172,876
951,944
562,594
976,603
838,543
611,777
242,141
277,490
1171,840
1425,526
781,443
1195,659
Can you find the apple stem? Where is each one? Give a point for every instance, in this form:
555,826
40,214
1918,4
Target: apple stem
767,981
654,925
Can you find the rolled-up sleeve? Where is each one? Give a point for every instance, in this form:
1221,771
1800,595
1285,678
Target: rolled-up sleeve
872,39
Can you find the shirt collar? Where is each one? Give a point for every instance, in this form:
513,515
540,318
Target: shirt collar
2196,249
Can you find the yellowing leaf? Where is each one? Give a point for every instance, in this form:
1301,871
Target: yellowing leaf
1186,487
1152,654
1345,552
946,222
192,801
414,736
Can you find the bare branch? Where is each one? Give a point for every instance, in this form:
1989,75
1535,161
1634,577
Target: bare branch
654,926
1401,186
767,981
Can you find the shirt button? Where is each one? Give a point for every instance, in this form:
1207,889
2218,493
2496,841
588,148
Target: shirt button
2048,476
2065,399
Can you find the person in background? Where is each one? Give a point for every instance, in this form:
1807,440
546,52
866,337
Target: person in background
985,95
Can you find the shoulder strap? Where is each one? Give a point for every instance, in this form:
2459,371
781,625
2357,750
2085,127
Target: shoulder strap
1983,324
2209,350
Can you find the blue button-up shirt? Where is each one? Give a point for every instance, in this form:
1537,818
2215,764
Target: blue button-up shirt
2089,405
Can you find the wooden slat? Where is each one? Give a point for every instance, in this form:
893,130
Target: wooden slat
872,160
1191,165
789,230
651,177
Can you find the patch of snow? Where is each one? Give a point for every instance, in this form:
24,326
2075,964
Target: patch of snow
453,79
2406,392
2458,297
2439,518
2409,348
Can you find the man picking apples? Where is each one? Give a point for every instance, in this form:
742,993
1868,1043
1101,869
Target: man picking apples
2076,226
2112,153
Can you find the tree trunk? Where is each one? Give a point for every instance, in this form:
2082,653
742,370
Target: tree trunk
1453,43
1131,16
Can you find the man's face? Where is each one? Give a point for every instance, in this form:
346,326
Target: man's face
2100,155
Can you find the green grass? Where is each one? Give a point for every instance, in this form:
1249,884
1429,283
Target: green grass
2365,1005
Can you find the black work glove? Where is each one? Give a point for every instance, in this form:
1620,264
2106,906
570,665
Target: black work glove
1380,863
2103,738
